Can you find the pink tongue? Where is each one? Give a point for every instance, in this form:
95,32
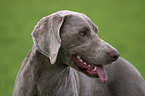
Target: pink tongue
102,73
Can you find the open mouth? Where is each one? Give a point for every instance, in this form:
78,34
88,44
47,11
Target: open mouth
90,69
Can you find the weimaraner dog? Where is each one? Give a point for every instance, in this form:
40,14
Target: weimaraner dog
69,59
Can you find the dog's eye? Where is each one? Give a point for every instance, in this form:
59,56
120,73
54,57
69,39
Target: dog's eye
84,32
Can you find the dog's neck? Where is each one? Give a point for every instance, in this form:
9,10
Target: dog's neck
55,80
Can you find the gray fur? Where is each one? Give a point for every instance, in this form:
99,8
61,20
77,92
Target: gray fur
56,39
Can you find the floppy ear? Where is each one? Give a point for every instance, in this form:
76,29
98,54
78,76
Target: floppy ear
46,35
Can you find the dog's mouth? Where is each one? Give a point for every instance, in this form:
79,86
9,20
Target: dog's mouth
90,69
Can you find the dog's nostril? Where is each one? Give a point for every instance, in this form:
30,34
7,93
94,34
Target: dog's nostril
114,55
114,58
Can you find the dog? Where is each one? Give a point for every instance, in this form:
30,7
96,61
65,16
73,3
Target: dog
69,59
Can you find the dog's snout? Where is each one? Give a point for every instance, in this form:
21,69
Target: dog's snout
114,55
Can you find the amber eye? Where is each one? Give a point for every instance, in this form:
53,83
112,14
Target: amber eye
84,31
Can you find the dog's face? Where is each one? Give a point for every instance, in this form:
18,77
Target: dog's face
83,49
74,35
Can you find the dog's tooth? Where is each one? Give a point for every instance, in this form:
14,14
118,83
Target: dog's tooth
95,69
81,60
78,57
85,63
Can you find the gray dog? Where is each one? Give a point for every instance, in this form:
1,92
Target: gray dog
69,59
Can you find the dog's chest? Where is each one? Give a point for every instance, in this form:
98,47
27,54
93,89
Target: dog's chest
64,84
67,84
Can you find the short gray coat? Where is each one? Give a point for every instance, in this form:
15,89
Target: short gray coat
48,69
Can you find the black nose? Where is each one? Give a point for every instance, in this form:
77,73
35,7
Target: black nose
114,55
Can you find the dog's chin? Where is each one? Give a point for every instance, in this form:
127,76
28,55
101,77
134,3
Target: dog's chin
91,70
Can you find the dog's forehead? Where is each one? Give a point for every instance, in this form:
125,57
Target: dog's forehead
78,19
77,15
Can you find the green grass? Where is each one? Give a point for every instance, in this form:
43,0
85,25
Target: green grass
121,23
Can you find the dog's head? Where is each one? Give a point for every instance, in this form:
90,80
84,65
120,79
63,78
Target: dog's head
74,35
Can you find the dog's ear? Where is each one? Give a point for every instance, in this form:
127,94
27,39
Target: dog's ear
46,35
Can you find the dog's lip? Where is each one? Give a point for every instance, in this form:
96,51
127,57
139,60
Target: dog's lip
90,69
85,68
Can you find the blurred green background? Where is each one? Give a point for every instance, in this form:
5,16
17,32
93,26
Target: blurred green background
121,23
